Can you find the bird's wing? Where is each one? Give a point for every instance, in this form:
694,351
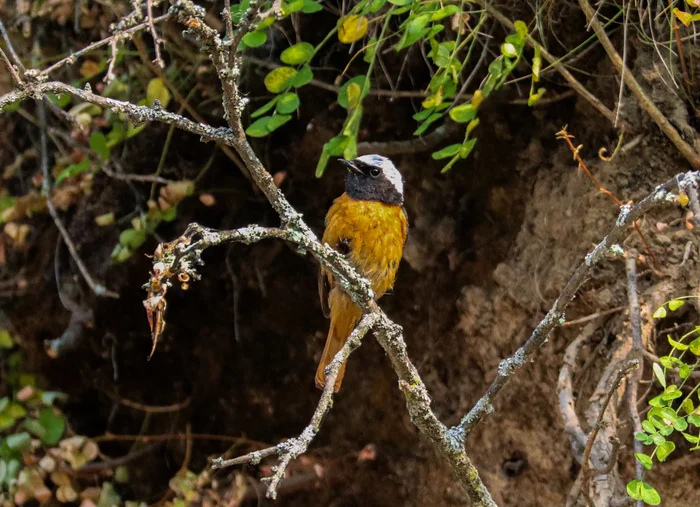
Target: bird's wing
323,290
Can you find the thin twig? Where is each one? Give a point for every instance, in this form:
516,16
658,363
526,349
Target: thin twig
11,48
291,449
11,68
624,370
152,28
97,288
593,316
637,353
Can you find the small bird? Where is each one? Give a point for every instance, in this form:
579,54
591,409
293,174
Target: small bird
368,225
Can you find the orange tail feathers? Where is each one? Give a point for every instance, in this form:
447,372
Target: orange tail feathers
334,343
344,317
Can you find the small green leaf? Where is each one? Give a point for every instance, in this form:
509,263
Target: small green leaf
509,50
694,419
671,393
310,7
676,345
302,77
254,39
278,79
156,90
675,304
649,495
19,441
645,460
648,427
448,10
277,121
464,113
634,489
343,98
641,436
6,339
694,346
658,439
691,438
422,115
288,103
336,146
520,28
447,151
74,170
259,127
659,373
370,49
663,451
98,143
688,406
264,109
684,371
14,410
467,148
297,54
660,313
105,219
132,238
53,423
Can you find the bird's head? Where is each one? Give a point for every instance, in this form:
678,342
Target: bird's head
373,178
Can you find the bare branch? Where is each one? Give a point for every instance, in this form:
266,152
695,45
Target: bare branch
10,67
556,317
289,450
152,28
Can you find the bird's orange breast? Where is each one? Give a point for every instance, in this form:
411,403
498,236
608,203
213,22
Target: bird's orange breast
375,233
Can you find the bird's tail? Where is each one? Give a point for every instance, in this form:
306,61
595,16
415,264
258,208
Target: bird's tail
344,318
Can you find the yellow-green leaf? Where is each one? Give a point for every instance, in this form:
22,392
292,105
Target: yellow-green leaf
297,54
156,90
684,17
354,91
278,79
352,28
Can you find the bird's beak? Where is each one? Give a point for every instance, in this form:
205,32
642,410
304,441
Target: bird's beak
350,165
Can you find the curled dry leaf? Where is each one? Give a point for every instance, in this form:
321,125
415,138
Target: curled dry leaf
17,232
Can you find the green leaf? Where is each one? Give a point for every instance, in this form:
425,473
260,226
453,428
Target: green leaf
343,98
671,393
426,124
675,304
676,345
288,103
400,3
659,373
73,170
658,439
467,148
302,77
6,339
509,50
663,451
278,79
15,410
684,371
649,495
447,151
648,427
694,346
660,313
464,113
19,441
98,143
53,423
61,100
634,489
336,146
156,90
259,127
688,406
297,54
132,238
293,6
645,460
254,39
422,115
520,28
277,121
264,109
641,436
310,7
691,438
370,49
694,419
414,30
448,10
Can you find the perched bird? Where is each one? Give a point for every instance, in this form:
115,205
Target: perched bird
368,225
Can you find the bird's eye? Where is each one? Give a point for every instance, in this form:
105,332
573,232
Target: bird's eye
375,172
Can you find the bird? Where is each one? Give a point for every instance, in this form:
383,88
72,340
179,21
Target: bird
368,225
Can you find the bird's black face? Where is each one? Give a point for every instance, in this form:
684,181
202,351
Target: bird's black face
373,178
